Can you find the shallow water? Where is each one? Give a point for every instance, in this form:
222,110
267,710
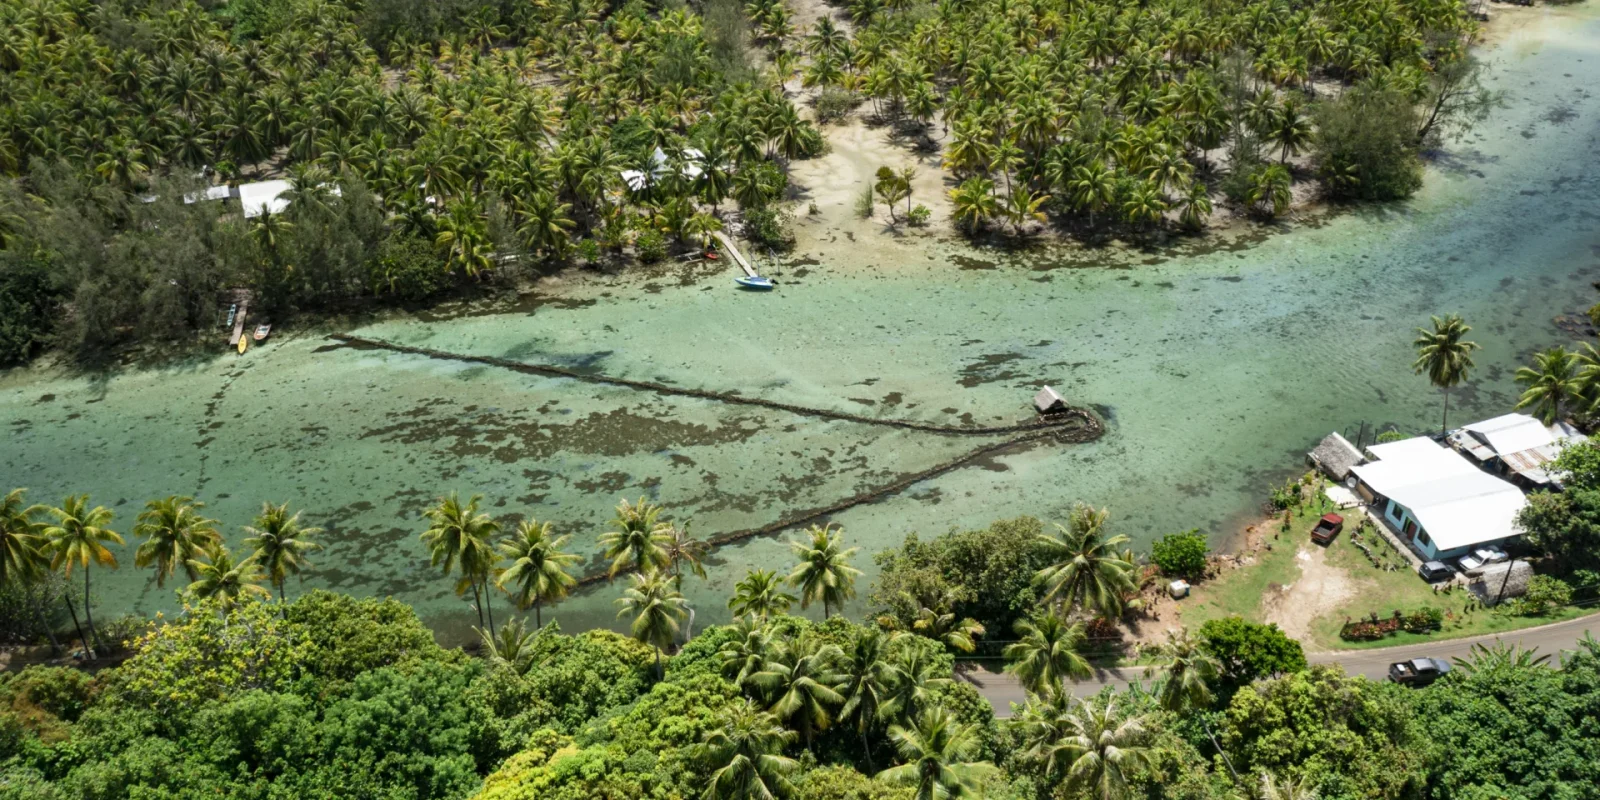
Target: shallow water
1216,369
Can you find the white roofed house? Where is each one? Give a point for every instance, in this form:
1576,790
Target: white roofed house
1517,447
1439,502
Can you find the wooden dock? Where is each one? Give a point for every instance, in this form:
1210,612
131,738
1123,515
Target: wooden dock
238,324
738,258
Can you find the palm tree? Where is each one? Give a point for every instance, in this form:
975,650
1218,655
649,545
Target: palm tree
1554,383
866,676
458,535
1046,652
538,572
760,594
1022,206
936,750
682,548
1195,205
747,750
511,646
1445,356
1190,672
639,542
974,203
937,621
823,572
802,678
22,559
175,534
79,537
917,674
221,578
746,656
658,610
280,545
1283,788
1269,189
1084,567
1099,750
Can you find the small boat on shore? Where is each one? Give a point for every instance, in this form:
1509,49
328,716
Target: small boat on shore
244,344
262,332
757,282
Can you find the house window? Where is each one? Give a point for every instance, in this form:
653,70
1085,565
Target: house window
1423,540
1410,527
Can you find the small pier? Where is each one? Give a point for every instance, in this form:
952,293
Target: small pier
738,258
238,322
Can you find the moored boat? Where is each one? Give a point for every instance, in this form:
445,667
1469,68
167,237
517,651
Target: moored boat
755,282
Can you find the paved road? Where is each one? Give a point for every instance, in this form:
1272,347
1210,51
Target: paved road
1002,690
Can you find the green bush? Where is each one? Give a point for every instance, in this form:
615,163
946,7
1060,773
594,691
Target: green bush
1366,145
27,302
919,216
833,104
652,246
767,226
1181,555
1545,593
1250,650
407,267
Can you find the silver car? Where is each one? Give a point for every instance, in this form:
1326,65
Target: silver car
1470,562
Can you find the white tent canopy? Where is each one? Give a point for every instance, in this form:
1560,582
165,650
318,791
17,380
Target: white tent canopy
1458,504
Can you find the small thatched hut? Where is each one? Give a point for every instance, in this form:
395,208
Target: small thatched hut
1049,401
1335,455
1492,585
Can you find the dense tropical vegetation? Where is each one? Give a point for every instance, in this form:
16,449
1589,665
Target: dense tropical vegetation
428,143
422,141
251,693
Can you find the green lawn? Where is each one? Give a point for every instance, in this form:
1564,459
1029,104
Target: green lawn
1238,592
1382,591
1379,589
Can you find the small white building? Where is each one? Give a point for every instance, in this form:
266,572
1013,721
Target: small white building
262,197
1517,447
1438,500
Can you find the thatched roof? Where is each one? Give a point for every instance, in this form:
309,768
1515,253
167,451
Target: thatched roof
1335,455
1487,585
1048,399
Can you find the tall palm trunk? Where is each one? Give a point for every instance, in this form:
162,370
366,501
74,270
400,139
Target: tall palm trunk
88,608
487,603
477,602
283,602
87,649
537,622
1444,424
866,750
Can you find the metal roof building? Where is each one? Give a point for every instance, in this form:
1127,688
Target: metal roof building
1438,501
1517,444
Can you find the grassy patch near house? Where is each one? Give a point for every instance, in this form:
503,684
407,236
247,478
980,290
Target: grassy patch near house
1383,591
1238,591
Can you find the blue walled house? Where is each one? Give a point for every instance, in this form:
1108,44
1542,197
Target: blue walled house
1443,505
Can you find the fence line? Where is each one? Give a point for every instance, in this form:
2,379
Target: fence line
1068,419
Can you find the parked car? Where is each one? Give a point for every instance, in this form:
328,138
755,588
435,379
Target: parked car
1418,671
1435,571
1327,528
1470,563
1491,555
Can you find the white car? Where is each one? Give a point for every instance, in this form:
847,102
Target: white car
1470,562
1490,555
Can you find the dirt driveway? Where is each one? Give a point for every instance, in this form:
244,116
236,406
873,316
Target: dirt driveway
1320,589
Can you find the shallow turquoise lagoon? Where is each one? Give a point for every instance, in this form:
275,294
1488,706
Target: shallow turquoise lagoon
1216,368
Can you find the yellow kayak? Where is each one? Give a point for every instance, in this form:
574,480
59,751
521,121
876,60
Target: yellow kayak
244,342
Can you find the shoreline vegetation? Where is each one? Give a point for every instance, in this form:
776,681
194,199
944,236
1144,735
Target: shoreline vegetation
428,146
252,693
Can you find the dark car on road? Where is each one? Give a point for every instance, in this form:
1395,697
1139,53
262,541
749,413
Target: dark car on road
1418,671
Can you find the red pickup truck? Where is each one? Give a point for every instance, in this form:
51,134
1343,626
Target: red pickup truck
1327,528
